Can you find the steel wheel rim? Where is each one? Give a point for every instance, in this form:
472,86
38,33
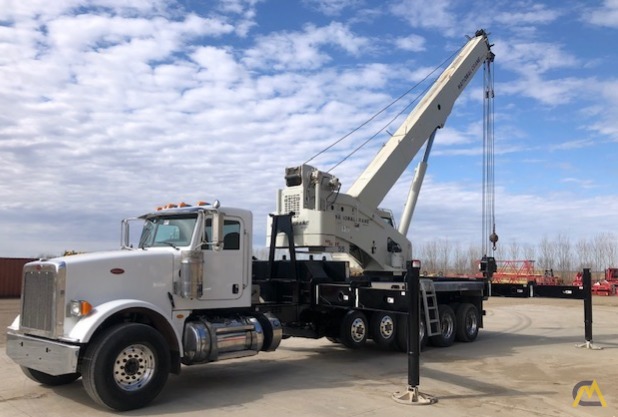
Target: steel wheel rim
358,330
448,326
387,327
134,367
471,323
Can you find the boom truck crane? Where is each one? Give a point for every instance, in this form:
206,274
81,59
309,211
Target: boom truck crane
351,225
189,293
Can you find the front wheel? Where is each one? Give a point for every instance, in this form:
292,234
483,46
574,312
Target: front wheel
49,380
126,367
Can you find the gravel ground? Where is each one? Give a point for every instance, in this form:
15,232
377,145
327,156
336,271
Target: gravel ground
524,363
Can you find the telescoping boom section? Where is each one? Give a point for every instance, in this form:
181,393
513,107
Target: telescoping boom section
350,225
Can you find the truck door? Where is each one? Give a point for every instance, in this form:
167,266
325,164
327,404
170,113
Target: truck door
225,269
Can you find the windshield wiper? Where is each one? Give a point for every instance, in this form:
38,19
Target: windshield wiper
170,244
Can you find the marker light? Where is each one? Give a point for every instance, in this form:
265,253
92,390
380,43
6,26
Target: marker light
79,308
183,204
202,203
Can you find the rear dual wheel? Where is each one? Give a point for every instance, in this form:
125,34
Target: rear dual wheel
354,329
468,322
447,325
402,333
383,327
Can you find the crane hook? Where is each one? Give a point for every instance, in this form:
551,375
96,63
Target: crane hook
493,238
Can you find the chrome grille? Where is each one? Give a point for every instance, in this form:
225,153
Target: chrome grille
38,301
42,299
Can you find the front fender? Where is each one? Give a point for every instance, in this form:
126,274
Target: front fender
85,328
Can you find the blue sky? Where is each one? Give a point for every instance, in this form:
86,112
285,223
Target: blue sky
110,108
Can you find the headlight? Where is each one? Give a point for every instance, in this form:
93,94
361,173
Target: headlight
79,308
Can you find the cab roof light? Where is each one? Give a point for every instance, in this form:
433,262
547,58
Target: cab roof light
202,203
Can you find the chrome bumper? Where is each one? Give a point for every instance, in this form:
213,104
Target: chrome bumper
46,356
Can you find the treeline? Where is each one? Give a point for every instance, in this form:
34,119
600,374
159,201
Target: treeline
559,254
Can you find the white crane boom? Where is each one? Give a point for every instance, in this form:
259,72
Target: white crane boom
351,226
430,114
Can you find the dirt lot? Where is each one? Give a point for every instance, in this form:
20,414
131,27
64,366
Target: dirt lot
524,363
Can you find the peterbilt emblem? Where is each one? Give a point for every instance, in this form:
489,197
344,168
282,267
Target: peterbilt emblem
117,271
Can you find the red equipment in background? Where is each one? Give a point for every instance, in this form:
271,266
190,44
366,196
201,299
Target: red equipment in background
522,272
605,286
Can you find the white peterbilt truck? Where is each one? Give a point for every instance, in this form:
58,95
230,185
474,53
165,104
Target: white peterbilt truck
190,293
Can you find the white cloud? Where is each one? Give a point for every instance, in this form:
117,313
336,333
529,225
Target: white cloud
111,113
552,92
530,15
333,7
533,57
414,43
302,50
572,144
606,15
435,14
217,65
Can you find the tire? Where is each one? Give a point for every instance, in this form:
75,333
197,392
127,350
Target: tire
49,380
402,333
467,323
126,367
448,327
354,329
383,328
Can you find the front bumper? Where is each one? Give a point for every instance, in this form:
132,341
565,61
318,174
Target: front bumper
50,357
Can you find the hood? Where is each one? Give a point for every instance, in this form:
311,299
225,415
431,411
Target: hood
105,276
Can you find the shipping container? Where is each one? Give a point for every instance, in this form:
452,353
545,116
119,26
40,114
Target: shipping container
10,276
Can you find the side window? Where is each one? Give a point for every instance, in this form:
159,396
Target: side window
207,234
231,235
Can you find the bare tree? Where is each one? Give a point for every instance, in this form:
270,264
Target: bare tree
444,254
529,252
461,262
604,251
514,250
547,254
564,255
585,258
429,257
474,256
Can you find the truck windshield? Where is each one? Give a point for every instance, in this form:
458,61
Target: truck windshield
168,231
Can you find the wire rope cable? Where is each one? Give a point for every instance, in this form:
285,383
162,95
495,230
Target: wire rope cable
373,117
489,205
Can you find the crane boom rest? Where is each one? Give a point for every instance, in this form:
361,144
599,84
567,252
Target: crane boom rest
350,225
